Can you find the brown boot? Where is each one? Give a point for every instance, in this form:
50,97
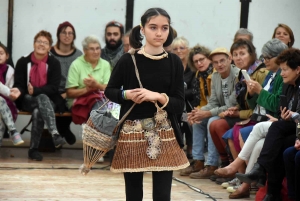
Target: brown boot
195,166
204,173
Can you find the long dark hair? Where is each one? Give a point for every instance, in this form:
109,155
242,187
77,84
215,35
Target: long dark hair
136,38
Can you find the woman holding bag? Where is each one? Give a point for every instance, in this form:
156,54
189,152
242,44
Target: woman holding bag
146,143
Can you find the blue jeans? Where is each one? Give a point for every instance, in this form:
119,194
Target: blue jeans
291,158
199,132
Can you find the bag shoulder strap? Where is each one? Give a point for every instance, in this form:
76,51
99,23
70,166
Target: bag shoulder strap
131,51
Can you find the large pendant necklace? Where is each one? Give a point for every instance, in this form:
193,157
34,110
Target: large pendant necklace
164,55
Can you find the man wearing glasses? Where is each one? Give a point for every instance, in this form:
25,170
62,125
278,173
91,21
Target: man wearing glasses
222,97
114,49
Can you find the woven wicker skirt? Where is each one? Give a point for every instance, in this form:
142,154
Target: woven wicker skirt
130,154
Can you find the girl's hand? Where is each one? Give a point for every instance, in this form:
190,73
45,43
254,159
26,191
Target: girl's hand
140,95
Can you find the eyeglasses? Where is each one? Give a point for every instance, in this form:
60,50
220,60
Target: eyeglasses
221,62
268,58
201,60
70,33
91,49
179,48
42,42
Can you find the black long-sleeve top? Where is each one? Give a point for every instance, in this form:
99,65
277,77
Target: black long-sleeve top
162,76
22,79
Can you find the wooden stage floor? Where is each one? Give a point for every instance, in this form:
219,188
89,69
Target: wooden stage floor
57,178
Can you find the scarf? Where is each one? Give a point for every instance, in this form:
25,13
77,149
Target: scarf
3,70
112,56
196,85
38,72
10,104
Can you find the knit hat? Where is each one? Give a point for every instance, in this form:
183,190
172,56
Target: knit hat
64,25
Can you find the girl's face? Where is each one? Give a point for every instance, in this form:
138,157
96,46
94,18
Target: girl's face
288,74
282,35
156,31
241,58
3,56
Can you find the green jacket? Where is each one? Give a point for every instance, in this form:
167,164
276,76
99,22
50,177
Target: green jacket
266,99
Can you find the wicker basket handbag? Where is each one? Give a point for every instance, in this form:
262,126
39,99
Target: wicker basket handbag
97,143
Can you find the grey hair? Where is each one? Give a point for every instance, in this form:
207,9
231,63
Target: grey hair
243,31
127,33
180,40
90,39
273,48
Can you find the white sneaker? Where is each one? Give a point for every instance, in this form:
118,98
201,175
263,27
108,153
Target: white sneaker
101,160
230,183
232,189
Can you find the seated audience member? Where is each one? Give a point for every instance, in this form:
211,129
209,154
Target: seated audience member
284,33
37,77
180,47
65,52
281,133
8,110
267,98
222,97
291,157
88,75
243,33
244,56
113,50
125,39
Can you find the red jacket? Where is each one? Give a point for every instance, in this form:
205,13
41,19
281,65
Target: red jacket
83,105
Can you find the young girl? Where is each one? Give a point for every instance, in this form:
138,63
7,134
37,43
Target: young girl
161,75
8,110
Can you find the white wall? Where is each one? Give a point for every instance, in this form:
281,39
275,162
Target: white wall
88,17
3,21
265,16
209,22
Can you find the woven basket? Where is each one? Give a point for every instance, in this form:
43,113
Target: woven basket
95,145
130,154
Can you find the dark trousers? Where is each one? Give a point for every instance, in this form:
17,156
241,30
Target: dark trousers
161,182
291,158
281,135
188,133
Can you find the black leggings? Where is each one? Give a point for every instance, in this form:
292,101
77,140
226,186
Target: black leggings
161,181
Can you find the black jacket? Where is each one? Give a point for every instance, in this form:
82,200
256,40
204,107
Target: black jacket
22,79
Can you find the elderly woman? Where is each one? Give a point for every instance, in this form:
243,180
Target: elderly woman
87,75
281,134
65,52
201,90
8,110
180,47
37,77
267,98
284,33
243,33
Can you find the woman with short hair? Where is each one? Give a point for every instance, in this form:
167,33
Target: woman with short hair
37,77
